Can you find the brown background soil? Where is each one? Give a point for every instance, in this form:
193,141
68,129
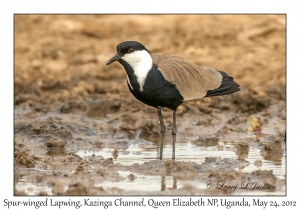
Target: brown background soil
64,92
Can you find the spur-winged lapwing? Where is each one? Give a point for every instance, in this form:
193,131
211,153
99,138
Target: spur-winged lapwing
168,80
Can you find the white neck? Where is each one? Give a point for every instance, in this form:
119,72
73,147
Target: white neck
141,63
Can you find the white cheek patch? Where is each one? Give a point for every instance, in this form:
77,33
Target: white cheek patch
141,63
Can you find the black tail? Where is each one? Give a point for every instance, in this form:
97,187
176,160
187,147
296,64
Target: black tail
228,86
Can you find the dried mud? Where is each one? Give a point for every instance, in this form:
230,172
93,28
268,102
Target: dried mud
79,131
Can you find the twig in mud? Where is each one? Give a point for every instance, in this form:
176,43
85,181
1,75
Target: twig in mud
116,117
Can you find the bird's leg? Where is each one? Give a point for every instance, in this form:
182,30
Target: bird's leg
174,130
162,131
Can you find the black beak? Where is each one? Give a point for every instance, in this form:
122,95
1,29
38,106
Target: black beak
113,59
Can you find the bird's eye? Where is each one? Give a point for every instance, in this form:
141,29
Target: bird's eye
130,50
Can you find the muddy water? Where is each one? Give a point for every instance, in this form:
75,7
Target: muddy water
120,162
79,131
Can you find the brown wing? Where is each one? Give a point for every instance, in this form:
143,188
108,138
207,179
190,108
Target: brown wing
191,80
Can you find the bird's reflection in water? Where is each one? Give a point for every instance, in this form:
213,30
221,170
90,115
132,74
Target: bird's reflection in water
163,184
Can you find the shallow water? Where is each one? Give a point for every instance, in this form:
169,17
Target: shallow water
155,183
127,149
185,151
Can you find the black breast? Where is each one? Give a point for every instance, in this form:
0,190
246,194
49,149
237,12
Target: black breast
157,92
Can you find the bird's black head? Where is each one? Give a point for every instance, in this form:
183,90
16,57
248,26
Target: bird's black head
129,47
126,48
